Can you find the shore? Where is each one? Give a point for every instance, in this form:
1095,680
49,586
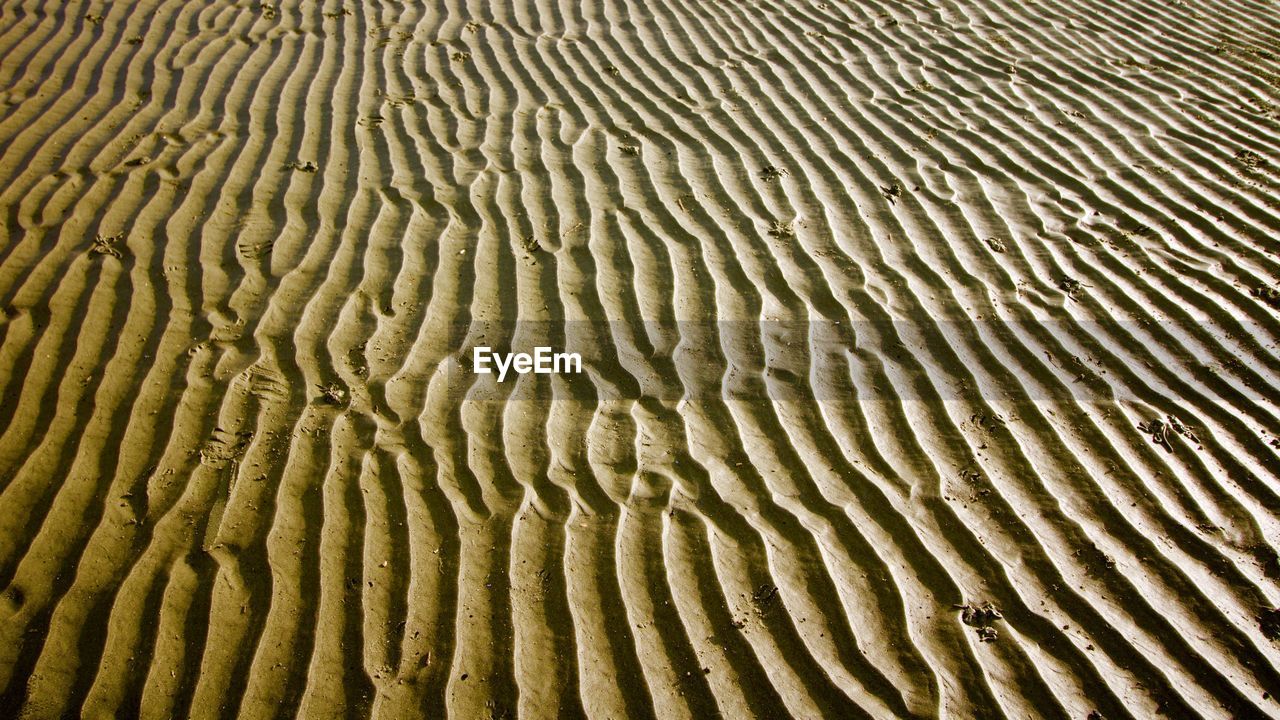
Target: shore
928,359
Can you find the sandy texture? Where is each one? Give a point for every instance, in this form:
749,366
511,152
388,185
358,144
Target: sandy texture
930,350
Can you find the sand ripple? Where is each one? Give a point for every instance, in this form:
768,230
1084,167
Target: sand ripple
930,347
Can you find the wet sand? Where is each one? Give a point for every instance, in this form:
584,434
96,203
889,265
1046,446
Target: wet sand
929,351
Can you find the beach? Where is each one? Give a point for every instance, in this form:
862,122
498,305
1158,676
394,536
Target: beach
926,359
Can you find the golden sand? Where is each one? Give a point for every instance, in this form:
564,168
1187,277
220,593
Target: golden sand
929,359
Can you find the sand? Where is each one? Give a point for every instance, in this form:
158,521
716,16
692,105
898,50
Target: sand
930,362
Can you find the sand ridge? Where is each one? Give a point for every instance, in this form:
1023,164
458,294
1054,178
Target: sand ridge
930,352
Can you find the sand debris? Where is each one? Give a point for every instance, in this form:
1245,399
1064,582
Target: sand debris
981,616
769,173
1267,294
1250,159
1269,623
782,230
106,245
1158,431
1070,286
